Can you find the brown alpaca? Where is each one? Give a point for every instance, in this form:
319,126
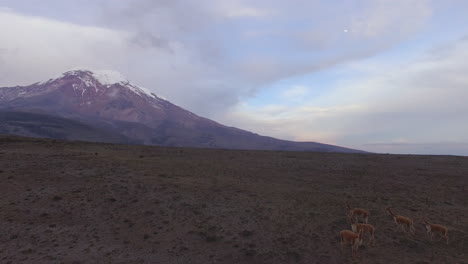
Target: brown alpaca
365,228
355,212
354,239
435,228
402,221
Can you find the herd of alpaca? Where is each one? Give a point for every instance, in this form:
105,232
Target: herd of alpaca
355,236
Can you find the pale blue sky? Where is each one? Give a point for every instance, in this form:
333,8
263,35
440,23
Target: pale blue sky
377,75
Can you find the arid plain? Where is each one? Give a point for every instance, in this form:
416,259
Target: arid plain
75,202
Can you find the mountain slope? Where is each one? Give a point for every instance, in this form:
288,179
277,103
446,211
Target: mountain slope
105,99
48,126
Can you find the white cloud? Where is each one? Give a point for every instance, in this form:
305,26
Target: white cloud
238,9
248,12
33,49
384,17
5,9
36,48
296,92
301,123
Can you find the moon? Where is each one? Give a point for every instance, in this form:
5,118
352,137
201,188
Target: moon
345,30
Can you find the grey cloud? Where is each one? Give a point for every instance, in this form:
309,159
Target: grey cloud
193,25
418,107
157,22
191,41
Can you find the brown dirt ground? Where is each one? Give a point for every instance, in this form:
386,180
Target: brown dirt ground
74,202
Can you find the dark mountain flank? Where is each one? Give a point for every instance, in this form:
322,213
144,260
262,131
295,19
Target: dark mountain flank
48,126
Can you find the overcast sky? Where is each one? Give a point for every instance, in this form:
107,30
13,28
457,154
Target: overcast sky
377,75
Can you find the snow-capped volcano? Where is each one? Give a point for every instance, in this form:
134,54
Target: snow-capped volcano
91,94
107,101
94,78
105,77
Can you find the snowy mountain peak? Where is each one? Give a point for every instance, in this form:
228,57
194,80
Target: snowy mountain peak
105,78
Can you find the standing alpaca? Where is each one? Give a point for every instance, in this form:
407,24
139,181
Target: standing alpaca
355,212
365,228
402,221
354,239
435,228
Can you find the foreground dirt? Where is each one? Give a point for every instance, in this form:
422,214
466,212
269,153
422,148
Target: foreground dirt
65,202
